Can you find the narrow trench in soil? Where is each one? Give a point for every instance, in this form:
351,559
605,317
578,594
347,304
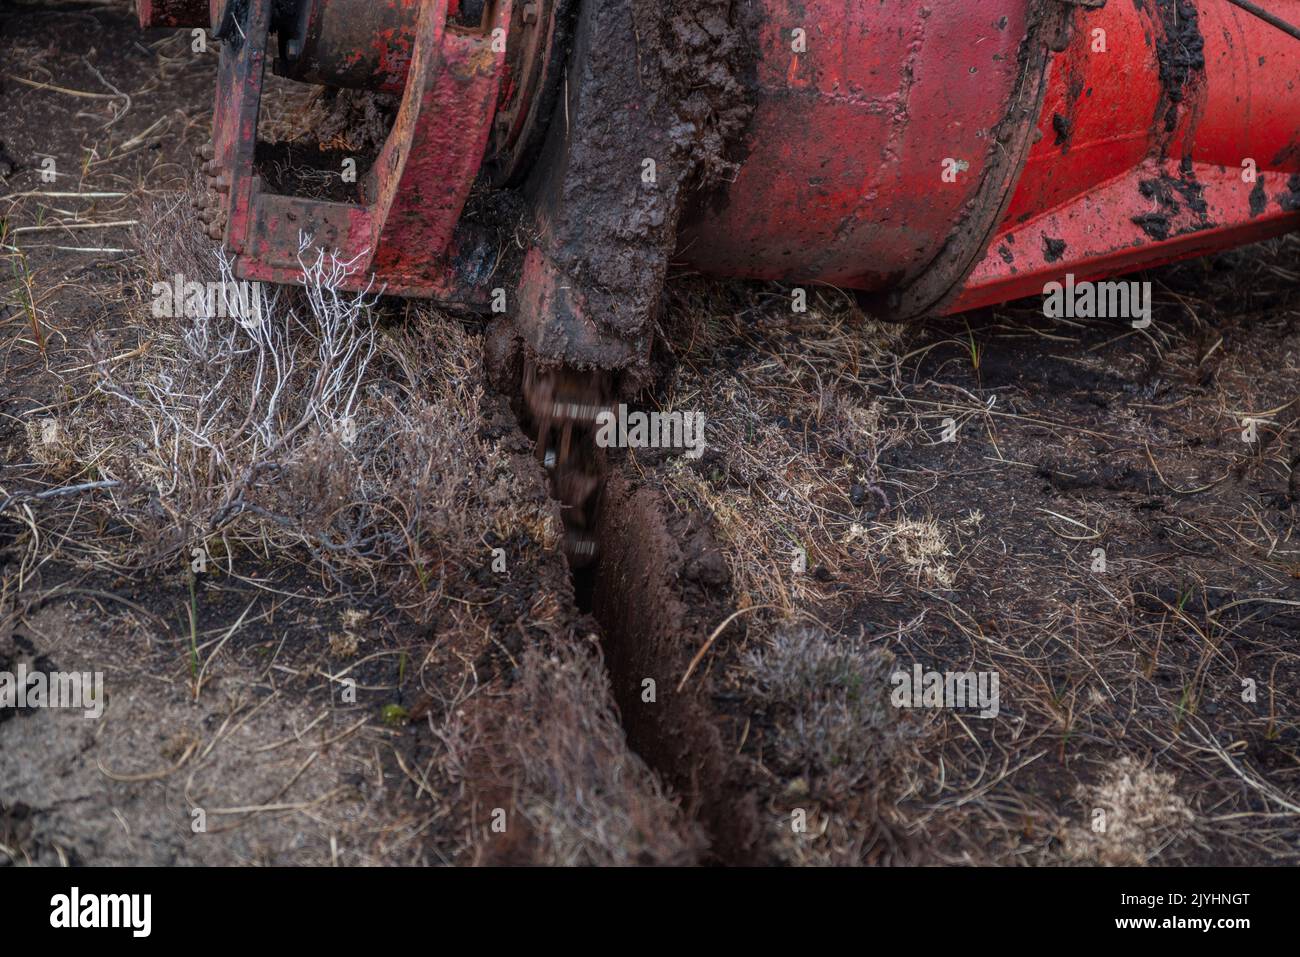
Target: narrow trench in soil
584,586
655,601
645,630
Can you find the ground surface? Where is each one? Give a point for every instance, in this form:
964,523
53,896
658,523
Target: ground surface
351,679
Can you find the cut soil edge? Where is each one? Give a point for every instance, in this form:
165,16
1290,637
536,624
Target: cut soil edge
658,590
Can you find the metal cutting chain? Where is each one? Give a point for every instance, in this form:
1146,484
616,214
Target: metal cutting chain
564,405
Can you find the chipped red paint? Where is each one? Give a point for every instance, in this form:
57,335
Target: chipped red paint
429,164
404,236
360,44
843,180
1123,191
172,13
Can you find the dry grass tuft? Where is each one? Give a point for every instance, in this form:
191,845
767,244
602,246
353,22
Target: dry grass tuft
51,446
922,548
833,735
795,435
1133,812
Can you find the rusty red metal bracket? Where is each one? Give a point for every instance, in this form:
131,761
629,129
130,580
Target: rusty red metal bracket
403,236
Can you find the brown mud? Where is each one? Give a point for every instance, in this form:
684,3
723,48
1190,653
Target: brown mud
1180,52
650,119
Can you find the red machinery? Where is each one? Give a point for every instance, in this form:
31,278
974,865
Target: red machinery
936,155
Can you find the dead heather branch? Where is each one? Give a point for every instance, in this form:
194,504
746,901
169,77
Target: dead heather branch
288,420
